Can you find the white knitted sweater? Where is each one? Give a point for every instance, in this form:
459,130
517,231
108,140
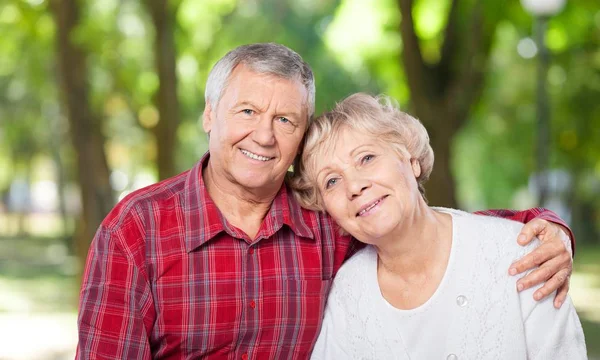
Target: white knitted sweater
476,312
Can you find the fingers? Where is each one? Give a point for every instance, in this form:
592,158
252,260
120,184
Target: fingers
531,230
541,274
563,235
561,295
551,285
535,258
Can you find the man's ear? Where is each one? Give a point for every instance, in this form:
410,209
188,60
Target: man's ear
416,167
207,118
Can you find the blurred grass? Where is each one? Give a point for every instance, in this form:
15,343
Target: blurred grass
37,275
585,293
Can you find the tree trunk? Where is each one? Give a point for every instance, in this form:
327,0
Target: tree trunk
84,126
440,187
56,139
166,99
443,93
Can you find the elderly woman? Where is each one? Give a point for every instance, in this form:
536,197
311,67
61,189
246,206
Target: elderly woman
432,282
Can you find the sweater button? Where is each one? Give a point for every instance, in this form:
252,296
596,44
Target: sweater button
461,301
452,357
244,356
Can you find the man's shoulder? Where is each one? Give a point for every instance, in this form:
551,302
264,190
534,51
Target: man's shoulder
143,201
317,220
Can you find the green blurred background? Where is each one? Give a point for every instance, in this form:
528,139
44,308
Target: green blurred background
101,97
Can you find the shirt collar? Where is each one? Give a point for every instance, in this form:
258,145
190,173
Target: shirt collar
203,220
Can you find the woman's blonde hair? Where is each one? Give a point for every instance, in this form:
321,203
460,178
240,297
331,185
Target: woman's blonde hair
378,116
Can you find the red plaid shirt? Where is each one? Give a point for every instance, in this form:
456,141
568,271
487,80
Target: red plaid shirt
168,277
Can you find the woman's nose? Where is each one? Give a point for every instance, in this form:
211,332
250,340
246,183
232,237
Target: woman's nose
355,185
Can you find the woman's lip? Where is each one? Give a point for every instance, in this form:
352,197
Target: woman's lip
367,207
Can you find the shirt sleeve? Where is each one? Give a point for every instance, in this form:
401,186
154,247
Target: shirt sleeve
115,307
526,216
551,333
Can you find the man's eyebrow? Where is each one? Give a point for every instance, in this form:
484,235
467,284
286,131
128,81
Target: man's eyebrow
285,112
246,103
291,113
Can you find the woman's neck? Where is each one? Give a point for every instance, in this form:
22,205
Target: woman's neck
419,245
412,264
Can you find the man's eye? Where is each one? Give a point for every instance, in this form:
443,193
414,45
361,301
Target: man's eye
248,112
284,120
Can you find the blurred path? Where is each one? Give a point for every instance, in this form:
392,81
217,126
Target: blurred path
37,336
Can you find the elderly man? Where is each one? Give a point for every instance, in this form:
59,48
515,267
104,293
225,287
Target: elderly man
220,261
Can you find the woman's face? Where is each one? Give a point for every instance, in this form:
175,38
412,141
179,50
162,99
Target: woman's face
366,186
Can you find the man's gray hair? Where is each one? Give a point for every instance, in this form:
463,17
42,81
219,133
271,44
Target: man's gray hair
264,58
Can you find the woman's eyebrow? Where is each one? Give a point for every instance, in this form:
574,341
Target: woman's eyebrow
326,169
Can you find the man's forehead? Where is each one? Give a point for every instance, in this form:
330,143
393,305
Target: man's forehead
256,90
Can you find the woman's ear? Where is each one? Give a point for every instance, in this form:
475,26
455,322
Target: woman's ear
416,167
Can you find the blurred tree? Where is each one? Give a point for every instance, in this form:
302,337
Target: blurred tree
495,151
163,14
444,89
26,97
85,126
463,49
301,26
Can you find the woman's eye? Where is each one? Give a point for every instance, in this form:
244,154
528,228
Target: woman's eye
330,183
368,158
248,112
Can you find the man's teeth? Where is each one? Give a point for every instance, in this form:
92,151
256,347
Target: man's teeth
254,156
370,207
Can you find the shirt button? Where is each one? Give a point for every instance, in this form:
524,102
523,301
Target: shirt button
461,300
244,356
253,304
452,357
251,251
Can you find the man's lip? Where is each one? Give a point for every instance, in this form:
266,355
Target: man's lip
369,204
252,152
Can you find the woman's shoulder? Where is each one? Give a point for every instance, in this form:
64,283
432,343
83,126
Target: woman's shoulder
354,277
484,231
352,303
357,266
482,220
489,237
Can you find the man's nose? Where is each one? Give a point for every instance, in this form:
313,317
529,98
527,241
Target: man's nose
264,134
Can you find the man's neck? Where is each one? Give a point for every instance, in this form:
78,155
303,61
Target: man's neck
242,208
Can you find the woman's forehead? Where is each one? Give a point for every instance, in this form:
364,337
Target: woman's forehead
342,144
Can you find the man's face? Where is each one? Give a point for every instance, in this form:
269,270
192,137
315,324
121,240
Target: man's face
256,129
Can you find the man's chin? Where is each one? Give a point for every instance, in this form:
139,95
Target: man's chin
259,183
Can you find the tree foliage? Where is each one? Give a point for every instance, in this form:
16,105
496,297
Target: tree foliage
454,64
